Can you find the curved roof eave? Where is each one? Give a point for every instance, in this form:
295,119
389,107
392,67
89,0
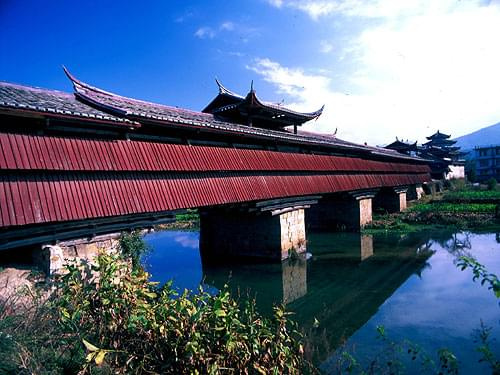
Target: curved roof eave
252,96
81,88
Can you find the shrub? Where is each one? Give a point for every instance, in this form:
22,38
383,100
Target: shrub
126,323
132,247
492,184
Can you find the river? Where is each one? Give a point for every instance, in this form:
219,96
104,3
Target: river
352,283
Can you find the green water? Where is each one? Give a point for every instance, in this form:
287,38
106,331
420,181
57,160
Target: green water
353,283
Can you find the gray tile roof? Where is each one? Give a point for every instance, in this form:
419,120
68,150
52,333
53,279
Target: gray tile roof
139,109
36,99
92,103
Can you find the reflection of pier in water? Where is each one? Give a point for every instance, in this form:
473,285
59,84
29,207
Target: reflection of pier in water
348,278
269,283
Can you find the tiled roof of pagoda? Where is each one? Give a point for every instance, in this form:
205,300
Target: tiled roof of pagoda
440,142
438,135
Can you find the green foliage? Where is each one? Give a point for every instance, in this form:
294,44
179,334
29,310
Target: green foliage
472,196
395,357
482,336
132,246
189,216
107,319
491,184
32,342
454,208
480,273
460,208
132,327
458,184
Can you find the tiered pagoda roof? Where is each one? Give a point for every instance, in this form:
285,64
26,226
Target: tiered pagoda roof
438,135
252,111
439,139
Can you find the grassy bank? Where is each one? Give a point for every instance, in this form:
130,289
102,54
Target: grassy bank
189,220
459,209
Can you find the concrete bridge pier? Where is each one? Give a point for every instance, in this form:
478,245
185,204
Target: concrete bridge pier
270,230
415,192
346,211
391,199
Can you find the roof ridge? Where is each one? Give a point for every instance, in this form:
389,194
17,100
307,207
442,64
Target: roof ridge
85,85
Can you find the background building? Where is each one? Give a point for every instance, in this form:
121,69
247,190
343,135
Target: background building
444,158
487,162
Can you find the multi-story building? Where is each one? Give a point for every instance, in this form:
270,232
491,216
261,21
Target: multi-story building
487,159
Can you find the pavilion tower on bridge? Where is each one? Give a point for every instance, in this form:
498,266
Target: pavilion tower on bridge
251,111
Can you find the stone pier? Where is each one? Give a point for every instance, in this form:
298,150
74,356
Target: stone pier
273,235
347,211
52,258
391,199
415,192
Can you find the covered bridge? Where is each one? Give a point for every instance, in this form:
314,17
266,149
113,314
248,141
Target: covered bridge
86,163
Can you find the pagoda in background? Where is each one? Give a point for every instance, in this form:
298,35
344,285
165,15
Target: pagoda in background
444,156
445,159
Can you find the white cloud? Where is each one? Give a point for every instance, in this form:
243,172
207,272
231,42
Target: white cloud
228,26
205,33
243,32
317,9
431,66
325,46
276,3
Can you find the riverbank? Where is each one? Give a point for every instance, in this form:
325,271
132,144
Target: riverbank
458,209
190,220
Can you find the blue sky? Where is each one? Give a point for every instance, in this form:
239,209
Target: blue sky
383,68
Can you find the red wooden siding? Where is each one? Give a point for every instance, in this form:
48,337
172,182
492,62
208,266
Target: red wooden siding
42,198
50,179
33,152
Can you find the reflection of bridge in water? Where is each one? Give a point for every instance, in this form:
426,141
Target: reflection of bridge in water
343,285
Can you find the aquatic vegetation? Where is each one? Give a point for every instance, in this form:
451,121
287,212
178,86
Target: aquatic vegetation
395,357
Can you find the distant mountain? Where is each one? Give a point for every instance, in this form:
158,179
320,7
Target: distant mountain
483,137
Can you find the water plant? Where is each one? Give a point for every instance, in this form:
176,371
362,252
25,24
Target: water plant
480,273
